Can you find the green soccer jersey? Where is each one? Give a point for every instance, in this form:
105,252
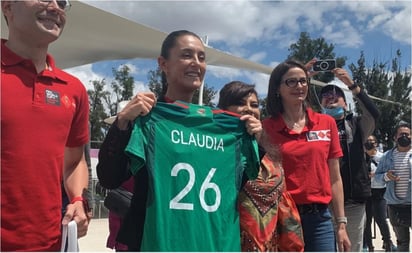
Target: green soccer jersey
195,157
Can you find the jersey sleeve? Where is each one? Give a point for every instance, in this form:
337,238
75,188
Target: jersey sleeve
251,155
135,147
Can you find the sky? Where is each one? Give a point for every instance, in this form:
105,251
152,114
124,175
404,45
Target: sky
262,31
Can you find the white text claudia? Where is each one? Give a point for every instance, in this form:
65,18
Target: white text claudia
198,140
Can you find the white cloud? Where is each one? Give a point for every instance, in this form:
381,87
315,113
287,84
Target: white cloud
346,36
399,26
85,74
258,56
222,72
242,28
260,81
236,23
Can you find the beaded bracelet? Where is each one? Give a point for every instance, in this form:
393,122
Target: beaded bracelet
341,220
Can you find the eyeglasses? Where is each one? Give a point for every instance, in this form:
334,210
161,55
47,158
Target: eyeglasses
293,82
64,5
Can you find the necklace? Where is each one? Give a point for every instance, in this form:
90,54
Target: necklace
295,124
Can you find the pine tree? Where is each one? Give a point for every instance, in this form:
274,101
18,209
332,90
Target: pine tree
97,112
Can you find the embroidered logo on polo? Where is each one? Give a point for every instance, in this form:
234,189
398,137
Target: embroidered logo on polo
66,101
52,97
320,135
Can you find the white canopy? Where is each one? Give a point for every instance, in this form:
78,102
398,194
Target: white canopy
93,35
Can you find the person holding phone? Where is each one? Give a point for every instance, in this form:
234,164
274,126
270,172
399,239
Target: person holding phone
394,169
353,132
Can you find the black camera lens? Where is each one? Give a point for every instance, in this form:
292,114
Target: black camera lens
324,65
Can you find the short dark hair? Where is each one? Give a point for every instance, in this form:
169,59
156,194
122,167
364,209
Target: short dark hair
401,124
274,104
168,43
232,93
374,138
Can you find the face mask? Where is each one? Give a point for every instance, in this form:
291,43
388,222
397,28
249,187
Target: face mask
404,141
369,146
336,112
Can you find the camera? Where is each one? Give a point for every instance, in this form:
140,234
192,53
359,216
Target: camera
324,65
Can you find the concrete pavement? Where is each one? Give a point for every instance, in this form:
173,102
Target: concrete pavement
95,240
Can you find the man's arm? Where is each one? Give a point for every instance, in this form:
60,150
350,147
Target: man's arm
75,178
382,168
370,112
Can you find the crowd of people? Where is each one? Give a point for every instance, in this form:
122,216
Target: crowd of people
202,178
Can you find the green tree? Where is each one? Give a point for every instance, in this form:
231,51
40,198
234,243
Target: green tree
155,81
155,85
122,85
102,100
390,83
97,112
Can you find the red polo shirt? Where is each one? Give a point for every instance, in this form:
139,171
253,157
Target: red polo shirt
305,156
41,114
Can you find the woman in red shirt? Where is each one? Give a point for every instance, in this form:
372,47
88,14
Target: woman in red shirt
310,149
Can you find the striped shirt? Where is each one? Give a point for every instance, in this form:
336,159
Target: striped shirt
401,169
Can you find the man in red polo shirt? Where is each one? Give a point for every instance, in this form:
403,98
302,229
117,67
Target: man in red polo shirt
44,127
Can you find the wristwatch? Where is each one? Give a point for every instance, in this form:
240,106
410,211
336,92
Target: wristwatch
354,86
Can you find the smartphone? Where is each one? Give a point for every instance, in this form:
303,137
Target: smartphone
324,65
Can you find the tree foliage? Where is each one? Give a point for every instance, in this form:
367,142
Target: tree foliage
391,83
97,112
103,103
122,86
155,81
